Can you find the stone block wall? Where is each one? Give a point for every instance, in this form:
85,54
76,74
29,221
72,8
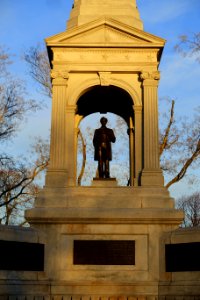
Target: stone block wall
30,285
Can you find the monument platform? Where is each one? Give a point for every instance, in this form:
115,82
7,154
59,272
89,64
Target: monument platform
105,195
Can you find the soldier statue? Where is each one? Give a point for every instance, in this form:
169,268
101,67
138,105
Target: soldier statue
103,137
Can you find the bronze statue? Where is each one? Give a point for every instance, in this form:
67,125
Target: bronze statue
103,137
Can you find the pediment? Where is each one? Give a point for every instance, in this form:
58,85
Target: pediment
105,32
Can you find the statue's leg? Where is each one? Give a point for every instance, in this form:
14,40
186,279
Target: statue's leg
107,169
100,168
100,163
104,161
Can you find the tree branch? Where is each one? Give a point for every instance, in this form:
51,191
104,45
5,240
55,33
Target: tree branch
165,140
186,165
22,184
84,158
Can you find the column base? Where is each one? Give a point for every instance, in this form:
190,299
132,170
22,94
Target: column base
56,178
152,178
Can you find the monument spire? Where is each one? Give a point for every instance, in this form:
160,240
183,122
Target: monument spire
125,11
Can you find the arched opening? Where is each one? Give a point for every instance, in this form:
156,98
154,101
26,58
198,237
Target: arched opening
117,106
105,99
119,166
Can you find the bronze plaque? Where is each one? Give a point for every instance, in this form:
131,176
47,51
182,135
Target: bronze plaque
182,257
21,256
104,252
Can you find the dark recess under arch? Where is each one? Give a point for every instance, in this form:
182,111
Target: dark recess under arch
105,99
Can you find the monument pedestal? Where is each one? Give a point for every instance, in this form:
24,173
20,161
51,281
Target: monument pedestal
90,231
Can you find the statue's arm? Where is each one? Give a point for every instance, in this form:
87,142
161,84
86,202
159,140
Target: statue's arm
95,138
112,136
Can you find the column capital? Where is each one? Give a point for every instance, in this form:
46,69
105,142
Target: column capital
150,78
59,77
137,109
71,109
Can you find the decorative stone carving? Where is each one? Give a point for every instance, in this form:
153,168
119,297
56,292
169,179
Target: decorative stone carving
59,77
84,56
104,78
59,74
152,76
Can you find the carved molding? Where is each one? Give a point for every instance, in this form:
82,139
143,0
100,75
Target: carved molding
135,56
150,76
137,109
59,74
71,109
59,78
104,78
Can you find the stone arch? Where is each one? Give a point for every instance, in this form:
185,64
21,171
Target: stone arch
81,89
129,89
105,99
129,101
89,83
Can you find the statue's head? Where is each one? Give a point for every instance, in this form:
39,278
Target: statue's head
103,121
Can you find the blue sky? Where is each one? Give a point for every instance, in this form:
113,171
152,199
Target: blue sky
25,23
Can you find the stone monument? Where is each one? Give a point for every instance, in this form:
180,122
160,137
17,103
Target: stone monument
103,241
104,51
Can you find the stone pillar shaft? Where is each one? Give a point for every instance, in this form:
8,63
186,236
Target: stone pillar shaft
57,167
151,159
138,143
71,136
57,151
131,152
151,146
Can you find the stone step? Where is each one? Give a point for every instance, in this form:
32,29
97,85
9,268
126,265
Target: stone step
104,197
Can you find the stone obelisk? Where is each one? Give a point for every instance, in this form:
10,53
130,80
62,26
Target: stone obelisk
86,11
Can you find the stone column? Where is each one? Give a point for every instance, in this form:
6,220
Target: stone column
71,138
131,151
57,171
151,174
138,143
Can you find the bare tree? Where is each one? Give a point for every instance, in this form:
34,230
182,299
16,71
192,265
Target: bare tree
13,107
14,104
167,139
83,146
179,145
17,186
191,207
39,68
189,45
4,61
16,177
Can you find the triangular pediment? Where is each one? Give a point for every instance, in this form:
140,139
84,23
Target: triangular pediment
105,32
